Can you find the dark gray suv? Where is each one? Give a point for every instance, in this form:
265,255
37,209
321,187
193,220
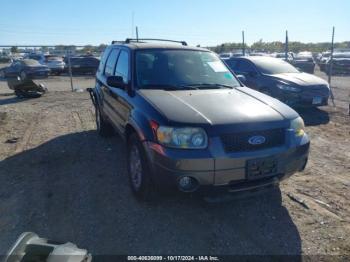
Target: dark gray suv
190,124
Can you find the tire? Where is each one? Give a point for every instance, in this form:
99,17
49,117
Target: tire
104,128
138,170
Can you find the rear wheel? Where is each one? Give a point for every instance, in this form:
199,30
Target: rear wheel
104,128
138,170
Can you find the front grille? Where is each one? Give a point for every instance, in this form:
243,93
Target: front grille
239,142
317,90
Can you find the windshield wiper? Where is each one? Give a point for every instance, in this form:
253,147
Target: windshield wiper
168,87
209,86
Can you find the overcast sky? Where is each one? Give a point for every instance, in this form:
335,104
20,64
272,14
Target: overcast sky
198,22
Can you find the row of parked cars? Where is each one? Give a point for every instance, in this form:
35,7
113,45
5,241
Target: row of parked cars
306,61
340,62
40,66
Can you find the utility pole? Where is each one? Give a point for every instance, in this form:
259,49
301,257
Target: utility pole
70,69
330,69
286,47
243,48
137,33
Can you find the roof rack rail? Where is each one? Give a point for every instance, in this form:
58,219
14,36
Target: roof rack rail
129,40
118,42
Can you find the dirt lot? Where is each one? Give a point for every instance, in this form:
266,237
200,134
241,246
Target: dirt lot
62,181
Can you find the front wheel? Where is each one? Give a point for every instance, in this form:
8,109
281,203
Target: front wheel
138,170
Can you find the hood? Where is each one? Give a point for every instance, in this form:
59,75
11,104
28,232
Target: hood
301,79
216,107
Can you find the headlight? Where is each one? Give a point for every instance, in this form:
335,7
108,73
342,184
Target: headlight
188,137
288,88
298,126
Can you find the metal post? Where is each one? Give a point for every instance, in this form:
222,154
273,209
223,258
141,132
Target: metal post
330,69
286,47
70,71
137,34
243,48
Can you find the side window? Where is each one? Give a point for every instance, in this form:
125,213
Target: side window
111,61
103,59
245,67
122,68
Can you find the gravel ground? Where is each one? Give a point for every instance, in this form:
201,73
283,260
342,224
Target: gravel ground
62,181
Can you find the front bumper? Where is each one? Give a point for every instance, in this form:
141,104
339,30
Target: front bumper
214,169
304,99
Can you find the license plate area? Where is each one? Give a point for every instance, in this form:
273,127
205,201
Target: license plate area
261,167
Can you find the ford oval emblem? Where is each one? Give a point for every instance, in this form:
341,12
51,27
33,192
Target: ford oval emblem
257,140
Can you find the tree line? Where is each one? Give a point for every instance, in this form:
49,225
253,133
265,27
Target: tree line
278,46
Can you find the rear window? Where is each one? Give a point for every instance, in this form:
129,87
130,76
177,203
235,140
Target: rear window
103,60
111,62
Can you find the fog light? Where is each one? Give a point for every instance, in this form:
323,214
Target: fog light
187,184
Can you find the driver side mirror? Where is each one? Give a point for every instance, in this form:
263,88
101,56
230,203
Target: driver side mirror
116,81
242,78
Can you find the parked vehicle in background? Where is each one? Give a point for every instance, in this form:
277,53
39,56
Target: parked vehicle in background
323,60
341,64
26,69
283,56
281,80
55,64
82,64
38,57
190,125
229,55
304,61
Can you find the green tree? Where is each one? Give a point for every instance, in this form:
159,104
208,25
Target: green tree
14,49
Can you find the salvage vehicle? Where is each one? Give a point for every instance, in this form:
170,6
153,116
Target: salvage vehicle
304,61
26,69
281,80
82,64
55,64
189,124
340,64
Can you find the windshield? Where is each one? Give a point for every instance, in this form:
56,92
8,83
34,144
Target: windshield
273,66
181,69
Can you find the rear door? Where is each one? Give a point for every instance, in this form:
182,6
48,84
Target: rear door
120,96
108,105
